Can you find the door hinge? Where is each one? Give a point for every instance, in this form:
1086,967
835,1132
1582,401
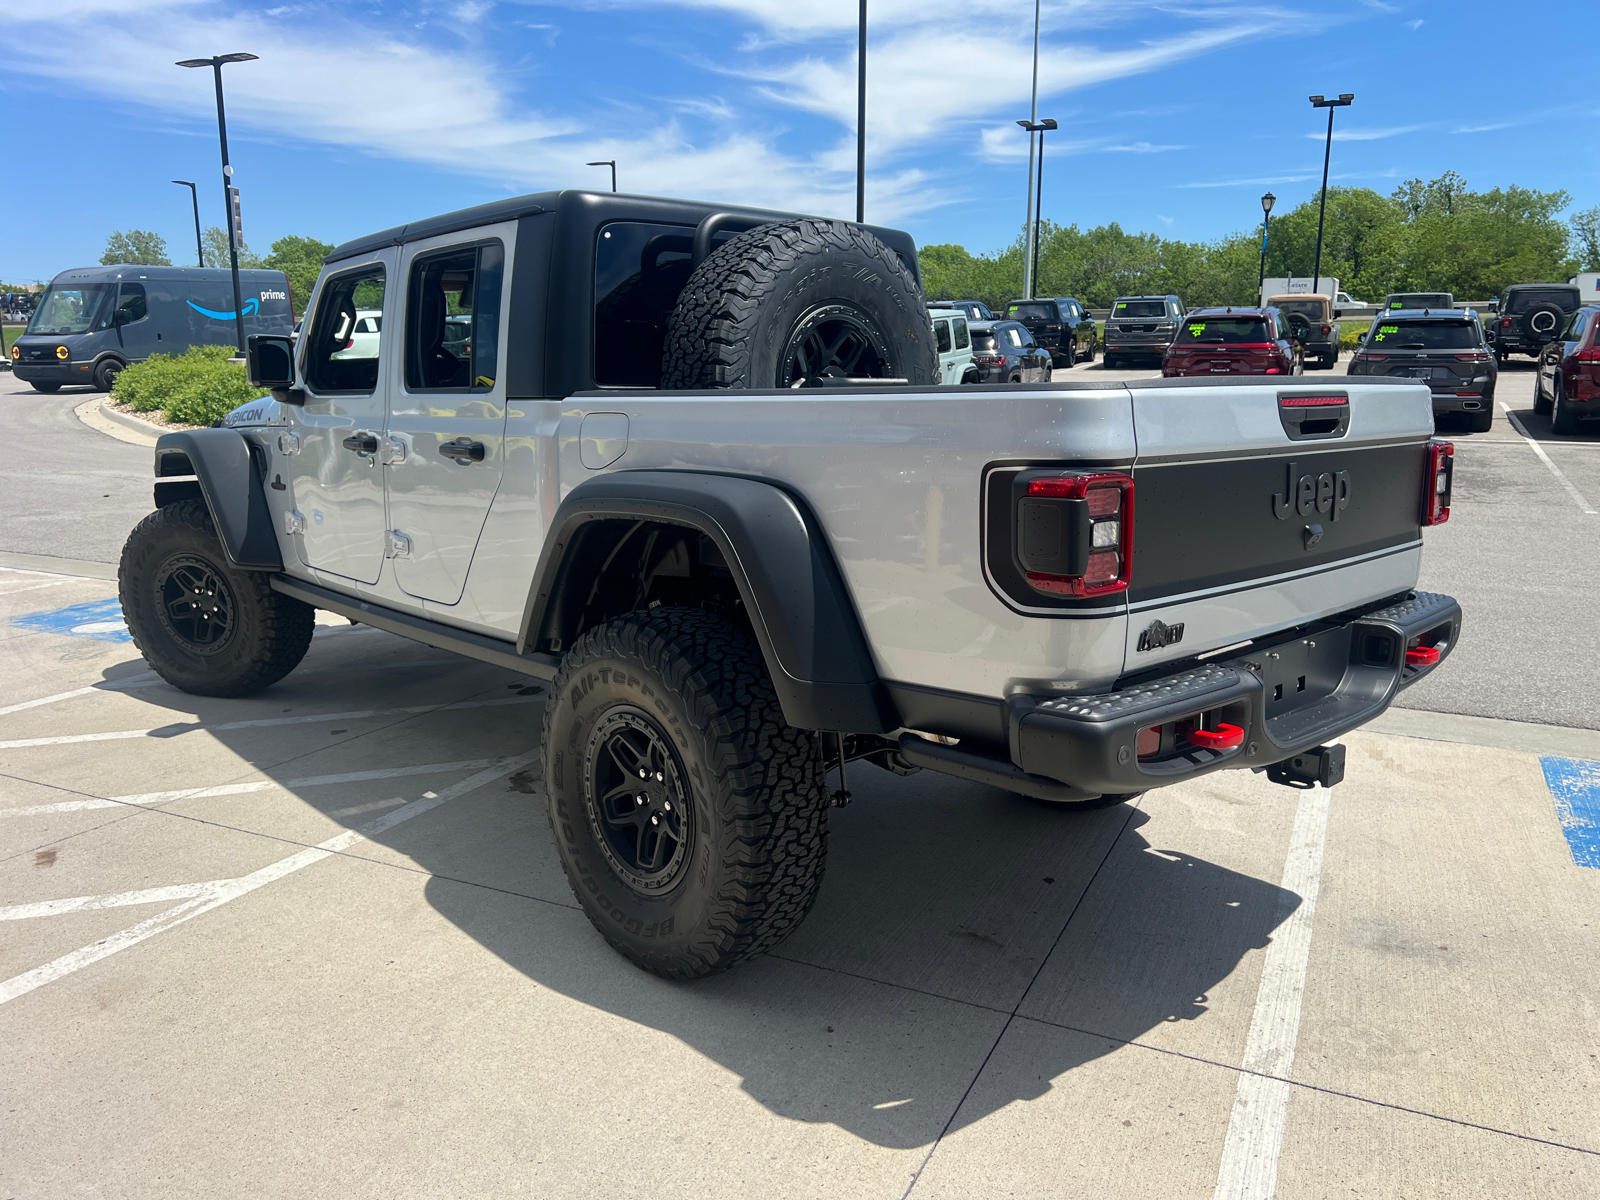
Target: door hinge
289,443
399,545
293,522
394,450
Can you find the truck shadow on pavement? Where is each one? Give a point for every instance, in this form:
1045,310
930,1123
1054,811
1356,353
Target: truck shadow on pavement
950,913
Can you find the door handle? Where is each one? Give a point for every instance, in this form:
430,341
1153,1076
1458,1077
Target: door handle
463,450
362,443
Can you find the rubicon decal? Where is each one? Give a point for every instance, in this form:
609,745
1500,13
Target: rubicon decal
1327,492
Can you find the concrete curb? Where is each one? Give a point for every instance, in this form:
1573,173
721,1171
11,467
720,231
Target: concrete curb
97,416
1560,740
77,568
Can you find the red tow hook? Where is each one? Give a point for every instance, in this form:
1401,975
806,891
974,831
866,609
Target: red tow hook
1223,737
1422,656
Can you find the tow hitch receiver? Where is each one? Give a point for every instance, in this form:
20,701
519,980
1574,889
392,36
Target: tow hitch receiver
1324,765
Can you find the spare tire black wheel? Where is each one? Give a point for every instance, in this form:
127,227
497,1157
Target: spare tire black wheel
795,304
1541,322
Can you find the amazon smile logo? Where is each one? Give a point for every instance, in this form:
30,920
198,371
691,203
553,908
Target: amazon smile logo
250,308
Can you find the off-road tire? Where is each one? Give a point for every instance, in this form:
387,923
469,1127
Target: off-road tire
106,374
48,389
268,634
1542,404
756,836
1541,324
1562,420
744,305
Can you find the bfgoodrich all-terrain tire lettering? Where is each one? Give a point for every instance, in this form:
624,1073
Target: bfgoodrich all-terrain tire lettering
201,623
795,302
691,821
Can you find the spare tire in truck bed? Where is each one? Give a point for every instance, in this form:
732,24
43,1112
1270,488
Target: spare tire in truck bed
797,303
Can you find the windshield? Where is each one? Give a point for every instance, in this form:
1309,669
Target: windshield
75,309
1424,335
1224,330
1032,312
1140,308
1306,308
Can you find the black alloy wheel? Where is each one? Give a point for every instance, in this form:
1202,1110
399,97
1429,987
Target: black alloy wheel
832,341
196,605
638,799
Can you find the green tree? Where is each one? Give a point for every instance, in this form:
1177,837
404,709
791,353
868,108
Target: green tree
299,258
1586,233
216,242
139,247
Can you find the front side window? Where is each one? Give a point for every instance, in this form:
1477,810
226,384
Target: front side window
963,341
133,302
76,308
941,335
1225,331
341,356
453,319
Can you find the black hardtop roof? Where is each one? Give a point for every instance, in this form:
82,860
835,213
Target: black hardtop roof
1237,310
599,207
1427,314
1540,287
116,271
1166,296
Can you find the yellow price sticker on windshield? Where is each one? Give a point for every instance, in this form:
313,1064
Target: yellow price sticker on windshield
1386,329
1196,330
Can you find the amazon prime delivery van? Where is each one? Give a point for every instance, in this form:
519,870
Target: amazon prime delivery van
94,321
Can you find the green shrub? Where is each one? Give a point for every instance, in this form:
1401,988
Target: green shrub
194,388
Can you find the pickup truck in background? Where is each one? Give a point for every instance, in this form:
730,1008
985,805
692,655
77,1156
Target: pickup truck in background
691,467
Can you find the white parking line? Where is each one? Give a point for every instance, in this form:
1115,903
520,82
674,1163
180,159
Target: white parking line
1249,1167
267,722
219,891
137,681
150,799
1545,458
52,908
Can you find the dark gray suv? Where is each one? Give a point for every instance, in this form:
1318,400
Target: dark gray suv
1141,325
1446,349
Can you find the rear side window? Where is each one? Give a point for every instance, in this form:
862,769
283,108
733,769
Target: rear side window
1014,336
1226,331
941,335
1425,335
1575,327
453,319
338,358
963,341
1140,308
133,302
639,270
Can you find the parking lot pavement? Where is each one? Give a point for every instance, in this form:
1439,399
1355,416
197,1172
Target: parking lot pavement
317,942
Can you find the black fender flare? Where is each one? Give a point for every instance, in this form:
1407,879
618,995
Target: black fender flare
785,571
226,478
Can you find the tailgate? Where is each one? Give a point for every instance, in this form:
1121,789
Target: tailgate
1255,514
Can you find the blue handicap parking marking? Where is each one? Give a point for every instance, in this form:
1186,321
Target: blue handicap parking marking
1575,784
99,619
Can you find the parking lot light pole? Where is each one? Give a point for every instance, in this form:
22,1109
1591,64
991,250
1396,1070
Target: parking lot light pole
215,62
1318,102
1036,127
1267,202
1033,117
199,246
861,115
607,162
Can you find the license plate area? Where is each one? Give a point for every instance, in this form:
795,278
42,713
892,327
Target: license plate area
1303,672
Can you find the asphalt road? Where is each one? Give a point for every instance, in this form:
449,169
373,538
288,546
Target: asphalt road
316,942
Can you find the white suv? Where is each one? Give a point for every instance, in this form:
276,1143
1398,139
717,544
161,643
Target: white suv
954,345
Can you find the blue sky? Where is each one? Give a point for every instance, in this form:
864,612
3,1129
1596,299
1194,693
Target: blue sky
1175,116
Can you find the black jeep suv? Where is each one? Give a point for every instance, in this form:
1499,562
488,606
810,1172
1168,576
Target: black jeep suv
1532,315
1061,325
1141,325
1446,349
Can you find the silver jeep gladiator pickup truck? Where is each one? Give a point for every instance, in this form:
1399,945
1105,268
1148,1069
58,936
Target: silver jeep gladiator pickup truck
689,465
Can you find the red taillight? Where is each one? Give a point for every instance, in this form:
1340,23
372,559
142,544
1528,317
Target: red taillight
1373,357
1107,524
989,360
1589,355
1148,743
1474,358
1274,371
1326,329
1437,482
1505,322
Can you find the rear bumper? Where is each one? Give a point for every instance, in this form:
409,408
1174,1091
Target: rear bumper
1287,697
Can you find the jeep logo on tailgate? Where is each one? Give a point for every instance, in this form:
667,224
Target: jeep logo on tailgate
1327,492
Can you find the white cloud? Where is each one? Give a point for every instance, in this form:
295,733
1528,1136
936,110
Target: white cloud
1414,25
1265,179
1484,128
1141,148
1364,135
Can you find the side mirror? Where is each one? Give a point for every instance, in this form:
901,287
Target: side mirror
1361,337
270,362
121,317
1337,313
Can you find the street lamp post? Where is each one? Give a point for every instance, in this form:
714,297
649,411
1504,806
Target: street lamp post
1033,118
607,162
861,115
1267,202
199,246
1343,101
215,62
1032,271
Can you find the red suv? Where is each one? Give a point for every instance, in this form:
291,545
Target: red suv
1234,341
1567,388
